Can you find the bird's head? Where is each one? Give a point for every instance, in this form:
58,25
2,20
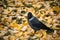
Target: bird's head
29,15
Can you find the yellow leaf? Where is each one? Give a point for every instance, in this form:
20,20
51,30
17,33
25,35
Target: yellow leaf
31,10
56,8
19,34
49,20
12,37
14,24
25,23
39,34
19,27
44,34
25,32
22,38
1,27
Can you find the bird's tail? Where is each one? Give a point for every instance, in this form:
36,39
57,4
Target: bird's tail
49,30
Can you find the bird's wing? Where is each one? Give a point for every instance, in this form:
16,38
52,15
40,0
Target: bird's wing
35,22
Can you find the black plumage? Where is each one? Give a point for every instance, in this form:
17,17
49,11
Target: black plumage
36,24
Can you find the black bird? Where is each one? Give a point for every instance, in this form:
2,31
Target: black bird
36,24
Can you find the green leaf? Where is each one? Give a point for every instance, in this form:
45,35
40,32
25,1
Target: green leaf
53,4
36,9
5,4
27,5
19,21
8,33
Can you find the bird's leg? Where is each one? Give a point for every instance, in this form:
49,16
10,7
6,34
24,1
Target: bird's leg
35,31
